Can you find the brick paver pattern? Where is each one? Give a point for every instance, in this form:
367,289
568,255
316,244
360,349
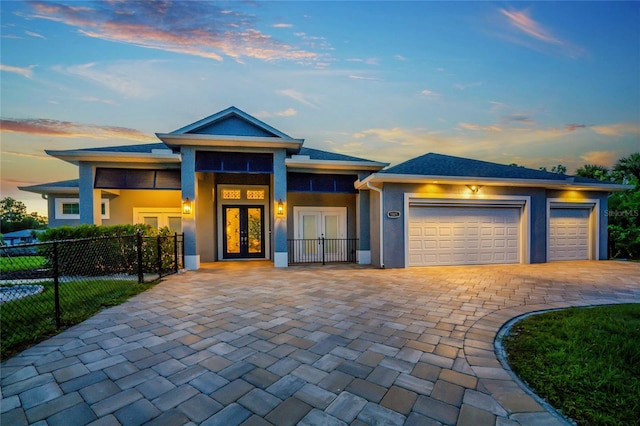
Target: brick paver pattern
246,343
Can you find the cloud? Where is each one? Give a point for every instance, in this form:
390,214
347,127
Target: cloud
429,94
573,127
476,127
536,36
289,112
522,20
118,76
399,57
294,94
368,61
32,34
361,77
602,158
27,155
518,118
98,100
201,29
618,129
463,86
282,25
67,129
23,71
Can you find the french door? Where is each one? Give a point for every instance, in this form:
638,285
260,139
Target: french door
243,231
320,230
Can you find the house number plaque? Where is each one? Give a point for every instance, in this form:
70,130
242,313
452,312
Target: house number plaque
393,214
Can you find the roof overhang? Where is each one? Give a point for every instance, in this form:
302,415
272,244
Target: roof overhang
48,189
76,156
212,141
567,184
295,164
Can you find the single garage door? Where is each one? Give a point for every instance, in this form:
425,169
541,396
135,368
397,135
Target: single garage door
569,234
463,235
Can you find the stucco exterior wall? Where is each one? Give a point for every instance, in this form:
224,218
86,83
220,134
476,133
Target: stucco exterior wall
121,207
394,232
206,217
51,210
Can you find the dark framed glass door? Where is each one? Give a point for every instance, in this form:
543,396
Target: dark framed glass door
243,232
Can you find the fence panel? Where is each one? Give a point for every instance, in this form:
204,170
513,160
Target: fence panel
322,250
46,286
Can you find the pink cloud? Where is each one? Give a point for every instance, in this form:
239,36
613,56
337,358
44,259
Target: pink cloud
194,28
67,129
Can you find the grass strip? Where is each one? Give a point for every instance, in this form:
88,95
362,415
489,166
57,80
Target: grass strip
583,361
30,320
19,263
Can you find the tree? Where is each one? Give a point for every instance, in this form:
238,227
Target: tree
14,216
594,171
629,167
560,169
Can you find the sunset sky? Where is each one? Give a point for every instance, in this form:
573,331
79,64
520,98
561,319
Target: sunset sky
533,83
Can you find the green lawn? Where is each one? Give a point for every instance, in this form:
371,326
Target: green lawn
30,320
585,362
18,263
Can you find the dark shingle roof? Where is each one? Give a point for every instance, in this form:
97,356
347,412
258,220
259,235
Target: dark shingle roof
445,165
316,154
143,148
73,183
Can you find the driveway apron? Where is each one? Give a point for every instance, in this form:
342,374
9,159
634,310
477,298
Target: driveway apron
246,343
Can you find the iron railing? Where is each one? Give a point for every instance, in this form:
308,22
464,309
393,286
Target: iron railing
322,250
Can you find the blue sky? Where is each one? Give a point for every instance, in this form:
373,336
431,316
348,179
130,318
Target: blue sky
535,83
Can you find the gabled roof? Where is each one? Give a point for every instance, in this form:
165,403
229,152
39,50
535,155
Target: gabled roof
231,127
61,187
158,153
447,169
309,158
432,164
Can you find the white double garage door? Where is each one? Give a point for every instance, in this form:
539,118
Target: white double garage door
466,235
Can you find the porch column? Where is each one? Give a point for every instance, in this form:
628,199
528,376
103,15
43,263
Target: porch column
90,199
364,228
189,190
280,257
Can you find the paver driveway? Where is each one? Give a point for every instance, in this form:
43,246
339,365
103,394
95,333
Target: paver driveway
244,343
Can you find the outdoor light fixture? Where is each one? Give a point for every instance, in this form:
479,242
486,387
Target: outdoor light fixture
280,209
186,206
473,188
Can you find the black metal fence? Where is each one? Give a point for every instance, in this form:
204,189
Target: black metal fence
46,286
322,250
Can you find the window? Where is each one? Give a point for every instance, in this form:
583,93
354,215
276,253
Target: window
69,208
159,217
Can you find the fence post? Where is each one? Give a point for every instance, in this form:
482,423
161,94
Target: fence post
56,284
139,246
323,261
175,253
159,259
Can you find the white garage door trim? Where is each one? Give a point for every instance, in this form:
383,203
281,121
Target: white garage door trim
521,202
593,237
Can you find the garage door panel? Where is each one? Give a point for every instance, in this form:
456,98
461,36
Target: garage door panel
465,235
569,234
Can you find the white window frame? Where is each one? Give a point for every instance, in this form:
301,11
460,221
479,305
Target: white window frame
162,214
61,201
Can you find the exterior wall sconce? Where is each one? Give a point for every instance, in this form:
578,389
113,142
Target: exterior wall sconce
186,206
280,208
473,188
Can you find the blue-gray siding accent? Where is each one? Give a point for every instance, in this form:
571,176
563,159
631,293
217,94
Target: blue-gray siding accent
233,126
